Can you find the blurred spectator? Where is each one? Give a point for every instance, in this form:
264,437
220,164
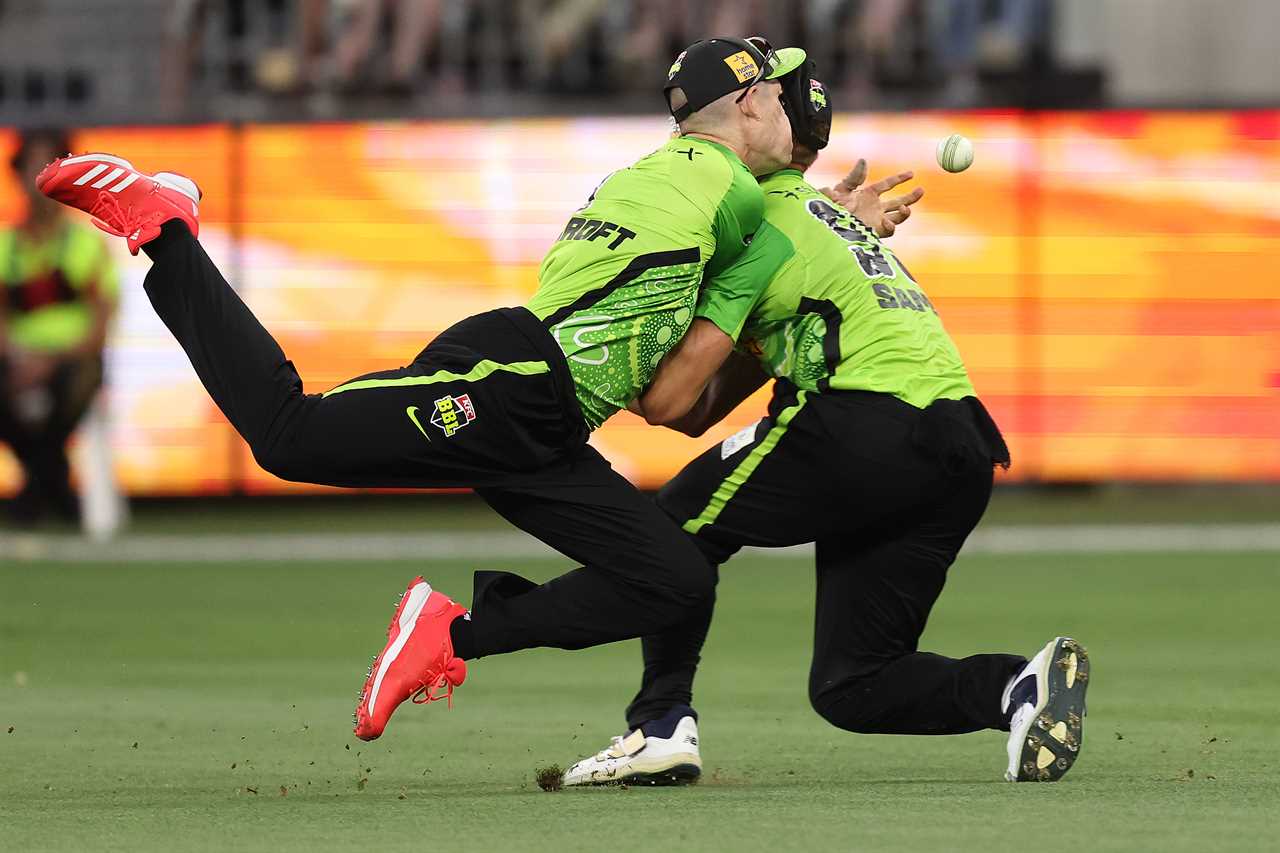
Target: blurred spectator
660,29
995,35
412,23
59,292
232,44
594,48
855,44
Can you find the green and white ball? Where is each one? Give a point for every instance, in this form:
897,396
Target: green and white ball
955,153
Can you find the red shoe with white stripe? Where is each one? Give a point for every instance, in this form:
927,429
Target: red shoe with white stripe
417,662
122,200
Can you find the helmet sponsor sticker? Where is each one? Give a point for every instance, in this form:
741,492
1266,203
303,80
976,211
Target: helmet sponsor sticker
743,65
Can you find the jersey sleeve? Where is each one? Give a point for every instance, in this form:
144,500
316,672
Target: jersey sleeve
728,297
737,218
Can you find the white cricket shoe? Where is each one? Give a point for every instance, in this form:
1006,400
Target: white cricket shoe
1046,698
668,757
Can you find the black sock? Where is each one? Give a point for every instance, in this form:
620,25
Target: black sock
462,633
171,232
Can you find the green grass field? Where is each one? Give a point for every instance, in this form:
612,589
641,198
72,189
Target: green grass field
207,707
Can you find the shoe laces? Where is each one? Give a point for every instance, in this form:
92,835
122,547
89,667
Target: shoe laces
108,210
617,748
428,691
613,750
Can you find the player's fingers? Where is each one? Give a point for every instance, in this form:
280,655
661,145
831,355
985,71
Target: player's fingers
899,215
856,175
885,184
908,199
887,227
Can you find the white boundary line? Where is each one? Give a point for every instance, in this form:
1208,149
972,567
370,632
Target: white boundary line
491,546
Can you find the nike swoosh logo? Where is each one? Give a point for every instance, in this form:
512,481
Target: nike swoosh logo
412,412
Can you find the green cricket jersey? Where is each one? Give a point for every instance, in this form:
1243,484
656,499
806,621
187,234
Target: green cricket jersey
621,284
46,285
841,311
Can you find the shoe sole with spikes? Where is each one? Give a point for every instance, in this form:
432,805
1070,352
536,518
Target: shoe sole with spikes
374,661
1053,740
417,663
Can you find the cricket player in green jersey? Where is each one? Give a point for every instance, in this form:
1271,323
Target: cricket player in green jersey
876,449
504,401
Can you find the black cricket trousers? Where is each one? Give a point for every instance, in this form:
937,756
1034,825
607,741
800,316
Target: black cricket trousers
888,493
41,446
489,404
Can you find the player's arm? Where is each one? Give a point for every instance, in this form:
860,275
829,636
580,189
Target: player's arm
724,304
684,373
736,380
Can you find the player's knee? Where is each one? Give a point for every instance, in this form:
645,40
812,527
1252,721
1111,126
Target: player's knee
693,588
845,705
694,582
276,458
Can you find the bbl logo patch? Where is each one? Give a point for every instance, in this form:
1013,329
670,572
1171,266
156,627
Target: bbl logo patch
453,413
743,66
675,66
817,95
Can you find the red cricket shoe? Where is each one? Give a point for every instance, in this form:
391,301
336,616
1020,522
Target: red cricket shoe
122,200
417,661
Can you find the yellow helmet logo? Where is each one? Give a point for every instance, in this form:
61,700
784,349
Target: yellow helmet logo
743,66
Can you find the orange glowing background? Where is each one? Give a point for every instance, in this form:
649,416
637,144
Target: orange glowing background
1112,279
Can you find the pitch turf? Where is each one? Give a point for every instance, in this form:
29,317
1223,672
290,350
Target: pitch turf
208,708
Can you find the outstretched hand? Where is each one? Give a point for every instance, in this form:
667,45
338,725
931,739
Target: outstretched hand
882,215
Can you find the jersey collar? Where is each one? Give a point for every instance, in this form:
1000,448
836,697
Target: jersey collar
726,150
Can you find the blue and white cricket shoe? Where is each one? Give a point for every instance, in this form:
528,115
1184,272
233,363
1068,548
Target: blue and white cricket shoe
1045,701
663,752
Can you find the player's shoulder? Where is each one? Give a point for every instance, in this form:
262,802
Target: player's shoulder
786,188
706,166
793,204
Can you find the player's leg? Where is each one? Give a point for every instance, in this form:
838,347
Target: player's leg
382,429
760,487
73,386
640,575
38,434
237,360
660,745
28,503
671,661
874,596
361,434
769,485
818,466
868,675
